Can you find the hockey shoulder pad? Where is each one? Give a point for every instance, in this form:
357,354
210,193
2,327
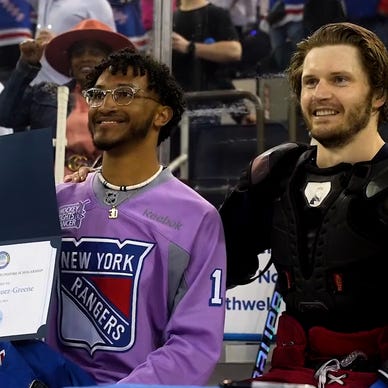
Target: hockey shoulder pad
377,189
247,212
271,165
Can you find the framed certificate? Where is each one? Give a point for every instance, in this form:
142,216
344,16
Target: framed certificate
29,233
26,281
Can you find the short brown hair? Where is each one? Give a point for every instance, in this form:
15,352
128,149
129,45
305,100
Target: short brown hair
373,55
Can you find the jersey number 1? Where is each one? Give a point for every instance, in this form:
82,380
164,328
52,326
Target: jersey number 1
216,299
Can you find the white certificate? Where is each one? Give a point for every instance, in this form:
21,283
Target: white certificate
26,280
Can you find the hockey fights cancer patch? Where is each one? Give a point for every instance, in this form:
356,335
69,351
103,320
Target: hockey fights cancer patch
99,287
71,216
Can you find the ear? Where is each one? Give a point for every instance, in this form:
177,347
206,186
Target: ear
379,100
163,116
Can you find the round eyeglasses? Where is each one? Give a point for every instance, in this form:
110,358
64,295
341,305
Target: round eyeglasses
123,95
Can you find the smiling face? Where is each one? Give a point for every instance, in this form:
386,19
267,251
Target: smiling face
84,56
336,98
116,126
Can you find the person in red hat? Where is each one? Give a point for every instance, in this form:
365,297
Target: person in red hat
73,53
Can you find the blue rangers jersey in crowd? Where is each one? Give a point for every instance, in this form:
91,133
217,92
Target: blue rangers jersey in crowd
15,22
293,10
129,22
140,297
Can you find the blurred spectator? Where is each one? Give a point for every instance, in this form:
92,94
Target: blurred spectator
147,10
129,22
4,130
15,22
58,16
256,54
204,39
382,25
315,15
204,43
147,13
256,46
361,12
286,29
72,53
242,12
383,7
371,14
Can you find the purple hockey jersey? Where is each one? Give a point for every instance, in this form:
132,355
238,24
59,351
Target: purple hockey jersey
140,298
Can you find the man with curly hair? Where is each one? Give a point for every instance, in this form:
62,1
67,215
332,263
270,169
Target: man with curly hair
141,276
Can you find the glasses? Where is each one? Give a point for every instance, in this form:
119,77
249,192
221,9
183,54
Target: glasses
122,95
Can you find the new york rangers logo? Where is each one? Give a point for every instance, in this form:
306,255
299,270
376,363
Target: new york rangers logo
98,295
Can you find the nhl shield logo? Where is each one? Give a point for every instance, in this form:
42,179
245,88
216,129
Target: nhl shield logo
316,192
99,286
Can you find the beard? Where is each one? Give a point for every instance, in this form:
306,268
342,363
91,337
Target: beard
356,119
131,136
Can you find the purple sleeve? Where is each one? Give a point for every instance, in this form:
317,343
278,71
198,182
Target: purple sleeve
194,333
